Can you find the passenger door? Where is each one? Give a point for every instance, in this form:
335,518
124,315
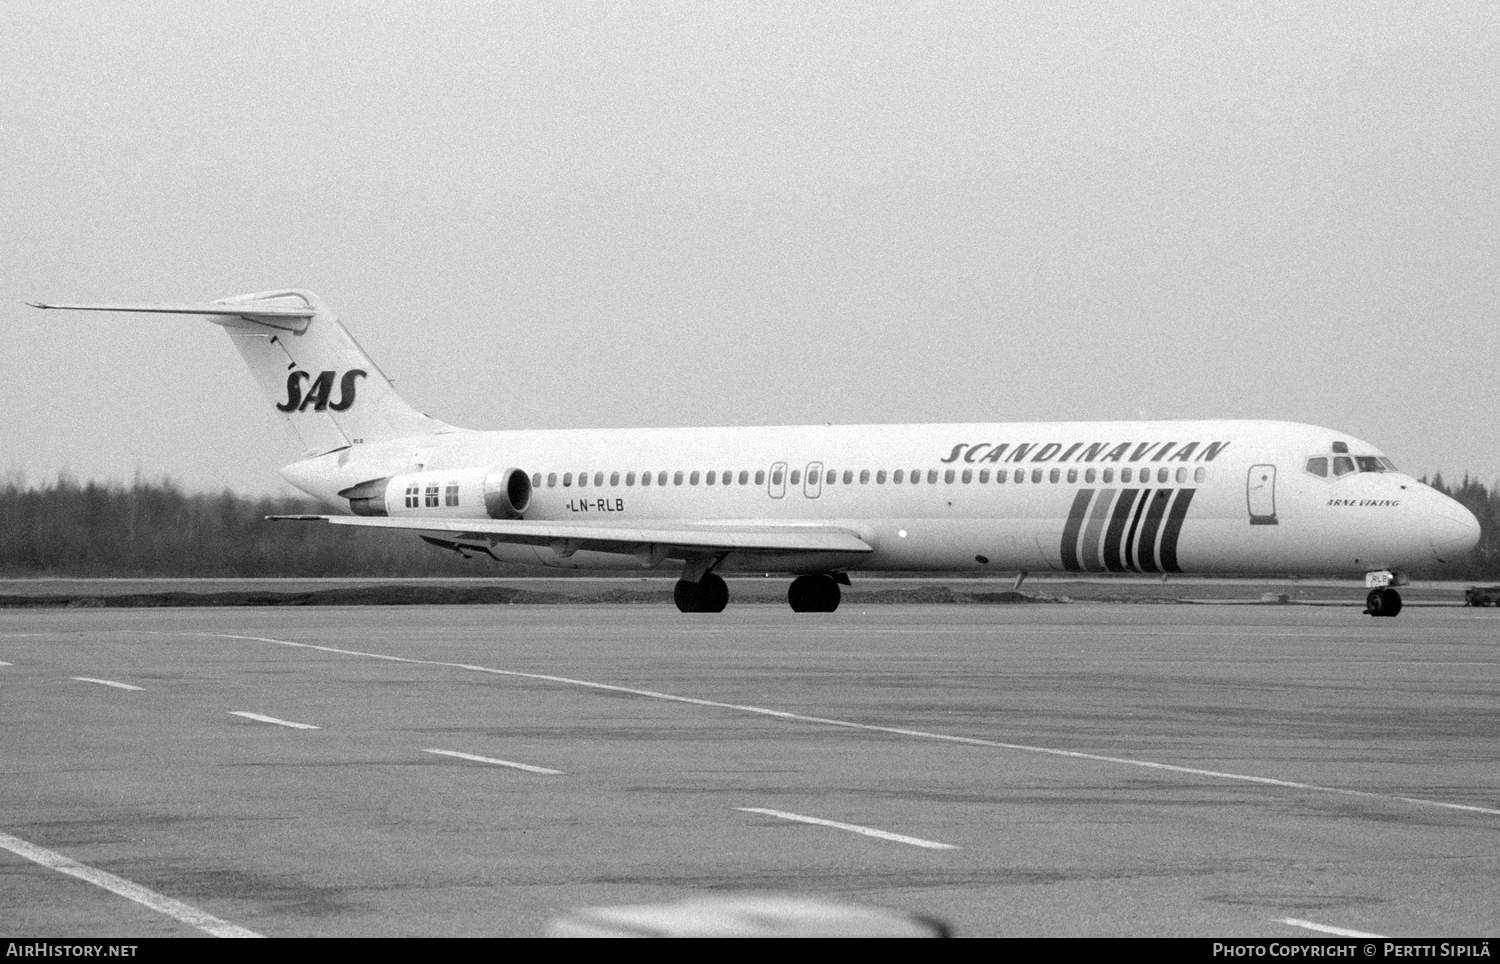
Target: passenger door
1260,495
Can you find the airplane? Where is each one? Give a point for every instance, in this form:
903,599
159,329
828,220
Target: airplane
819,502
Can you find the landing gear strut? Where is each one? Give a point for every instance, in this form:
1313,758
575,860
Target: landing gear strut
1383,602
813,594
707,595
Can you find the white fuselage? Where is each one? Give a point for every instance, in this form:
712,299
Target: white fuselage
1146,497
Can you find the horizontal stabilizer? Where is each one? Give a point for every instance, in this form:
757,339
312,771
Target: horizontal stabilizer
288,317
747,537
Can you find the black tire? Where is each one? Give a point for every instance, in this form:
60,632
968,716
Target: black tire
1375,603
687,596
713,594
1392,602
813,594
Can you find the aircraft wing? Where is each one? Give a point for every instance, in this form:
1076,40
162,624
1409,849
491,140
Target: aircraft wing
668,538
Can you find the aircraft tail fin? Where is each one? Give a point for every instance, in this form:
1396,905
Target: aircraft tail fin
325,389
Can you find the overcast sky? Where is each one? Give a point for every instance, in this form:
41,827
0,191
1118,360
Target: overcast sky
574,215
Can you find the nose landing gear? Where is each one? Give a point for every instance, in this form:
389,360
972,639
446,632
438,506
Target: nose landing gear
1383,599
1383,602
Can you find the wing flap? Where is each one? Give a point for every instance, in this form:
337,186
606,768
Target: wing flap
724,537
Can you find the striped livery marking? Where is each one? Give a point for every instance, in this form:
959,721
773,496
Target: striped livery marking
1125,530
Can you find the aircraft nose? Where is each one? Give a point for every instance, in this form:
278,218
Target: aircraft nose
1452,530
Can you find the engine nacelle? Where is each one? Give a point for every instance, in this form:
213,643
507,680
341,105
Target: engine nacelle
455,494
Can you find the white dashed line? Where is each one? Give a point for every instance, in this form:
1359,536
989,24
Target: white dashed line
852,828
271,719
106,682
499,763
873,728
119,885
1325,929
3,663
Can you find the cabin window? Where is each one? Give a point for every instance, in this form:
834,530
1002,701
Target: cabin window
864,476
709,478
1089,475
536,480
830,477
551,480
898,476
1072,475
745,477
583,479
676,478
984,475
1125,475
796,478
451,494
1109,476
661,477
413,496
1036,475
1182,475
1162,475
849,476
567,479
948,476
916,476
693,479
1020,476
645,478
967,477
614,478
932,476
880,476
432,496
1200,474
1054,475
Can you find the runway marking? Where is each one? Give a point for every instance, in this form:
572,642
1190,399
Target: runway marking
271,719
1325,929
868,727
852,828
499,763
161,903
105,682
3,663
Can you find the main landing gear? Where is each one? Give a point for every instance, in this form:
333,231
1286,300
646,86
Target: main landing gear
814,594
807,594
707,595
1383,602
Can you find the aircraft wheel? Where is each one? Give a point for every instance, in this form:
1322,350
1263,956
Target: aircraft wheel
688,596
713,594
813,594
1383,602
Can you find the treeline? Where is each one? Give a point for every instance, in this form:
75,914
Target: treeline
1484,561
154,528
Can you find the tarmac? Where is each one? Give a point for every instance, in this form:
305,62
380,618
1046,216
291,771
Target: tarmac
1092,769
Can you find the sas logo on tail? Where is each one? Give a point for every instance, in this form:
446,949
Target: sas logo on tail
318,392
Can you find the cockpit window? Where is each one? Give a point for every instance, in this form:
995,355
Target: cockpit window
1318,466
1369,463
1389,465
1342,465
